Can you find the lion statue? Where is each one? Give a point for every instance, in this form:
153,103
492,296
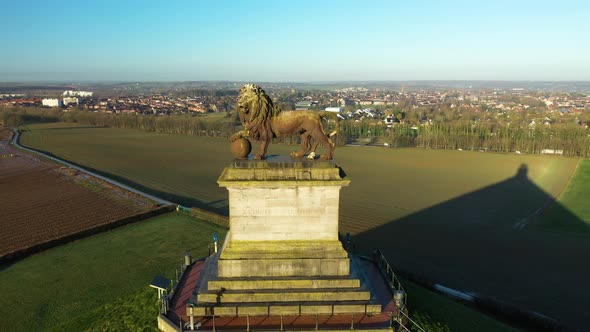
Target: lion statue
263,121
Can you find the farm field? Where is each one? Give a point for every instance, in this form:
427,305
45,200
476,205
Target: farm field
41,202
50,289
153,168
185,169
467,220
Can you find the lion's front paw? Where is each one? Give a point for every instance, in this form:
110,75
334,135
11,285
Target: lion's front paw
296,154
258,157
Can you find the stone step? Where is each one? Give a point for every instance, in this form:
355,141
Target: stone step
291,283
284,295
300,267
302,308
284,249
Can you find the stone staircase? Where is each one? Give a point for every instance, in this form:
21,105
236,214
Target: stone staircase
283,296
264,296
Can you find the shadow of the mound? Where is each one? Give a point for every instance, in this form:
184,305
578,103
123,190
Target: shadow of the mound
483,242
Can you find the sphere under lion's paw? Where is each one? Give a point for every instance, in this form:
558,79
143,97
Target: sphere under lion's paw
241,148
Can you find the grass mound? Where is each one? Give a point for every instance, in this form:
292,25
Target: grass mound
71,281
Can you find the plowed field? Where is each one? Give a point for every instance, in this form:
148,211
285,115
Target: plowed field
41,202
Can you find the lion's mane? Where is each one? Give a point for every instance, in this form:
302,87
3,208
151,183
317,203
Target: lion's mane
260,111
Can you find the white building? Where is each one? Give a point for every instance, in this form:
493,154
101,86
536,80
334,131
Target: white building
72,93
335,109
71,100
552,151
51,102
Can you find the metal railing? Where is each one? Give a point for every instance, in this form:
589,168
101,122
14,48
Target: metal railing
207,323
407,327
405,323
168,296
388,273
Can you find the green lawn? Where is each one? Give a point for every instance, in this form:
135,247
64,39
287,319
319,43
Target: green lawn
61,284
575,200
135,312
436,313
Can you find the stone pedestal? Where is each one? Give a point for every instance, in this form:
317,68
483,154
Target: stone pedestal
282,255
283,219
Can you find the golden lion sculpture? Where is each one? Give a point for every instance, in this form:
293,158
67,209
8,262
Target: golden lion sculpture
262,121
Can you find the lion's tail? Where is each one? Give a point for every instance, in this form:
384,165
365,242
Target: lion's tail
331,116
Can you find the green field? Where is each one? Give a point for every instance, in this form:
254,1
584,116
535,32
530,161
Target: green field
574,200
387,184
464,219
66,285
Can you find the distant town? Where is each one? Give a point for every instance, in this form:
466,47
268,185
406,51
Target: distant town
378,103
531,119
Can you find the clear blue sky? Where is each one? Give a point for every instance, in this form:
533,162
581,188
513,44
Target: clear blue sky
279,40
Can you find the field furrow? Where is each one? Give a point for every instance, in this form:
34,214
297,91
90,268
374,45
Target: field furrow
40,202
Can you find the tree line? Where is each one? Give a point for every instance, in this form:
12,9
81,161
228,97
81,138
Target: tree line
571,138
173,124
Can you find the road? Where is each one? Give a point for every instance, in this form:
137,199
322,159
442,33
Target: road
15,142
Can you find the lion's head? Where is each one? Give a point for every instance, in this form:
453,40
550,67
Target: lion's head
255,108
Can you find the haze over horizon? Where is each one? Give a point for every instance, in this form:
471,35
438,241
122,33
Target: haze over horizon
288,42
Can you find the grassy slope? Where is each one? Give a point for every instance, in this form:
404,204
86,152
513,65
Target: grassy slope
135,312
575,200
62,283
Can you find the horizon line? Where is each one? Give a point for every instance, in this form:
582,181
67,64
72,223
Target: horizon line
294,81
